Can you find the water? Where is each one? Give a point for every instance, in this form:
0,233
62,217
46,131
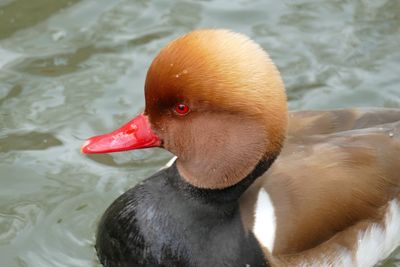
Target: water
73,69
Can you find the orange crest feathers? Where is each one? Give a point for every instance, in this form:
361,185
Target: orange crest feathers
220,70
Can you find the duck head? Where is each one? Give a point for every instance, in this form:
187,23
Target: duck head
214,99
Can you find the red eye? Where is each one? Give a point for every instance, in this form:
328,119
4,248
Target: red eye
182,109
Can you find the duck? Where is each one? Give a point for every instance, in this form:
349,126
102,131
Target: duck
251,184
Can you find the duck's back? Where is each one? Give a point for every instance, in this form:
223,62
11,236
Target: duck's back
306,123
336,176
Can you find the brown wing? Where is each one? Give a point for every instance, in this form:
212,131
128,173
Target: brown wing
305,123
338,169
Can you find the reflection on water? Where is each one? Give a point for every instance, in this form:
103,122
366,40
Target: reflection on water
70,69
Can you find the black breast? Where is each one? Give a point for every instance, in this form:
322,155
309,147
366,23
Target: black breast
158,224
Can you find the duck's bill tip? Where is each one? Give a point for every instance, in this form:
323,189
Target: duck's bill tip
84,148
136,134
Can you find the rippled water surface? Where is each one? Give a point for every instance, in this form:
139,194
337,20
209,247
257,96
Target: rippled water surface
72,69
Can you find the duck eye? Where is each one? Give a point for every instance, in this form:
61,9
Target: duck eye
182,109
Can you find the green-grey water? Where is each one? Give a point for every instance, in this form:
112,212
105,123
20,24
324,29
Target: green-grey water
73,69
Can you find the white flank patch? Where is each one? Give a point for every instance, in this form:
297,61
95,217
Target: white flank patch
374,244
265,221
169,163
